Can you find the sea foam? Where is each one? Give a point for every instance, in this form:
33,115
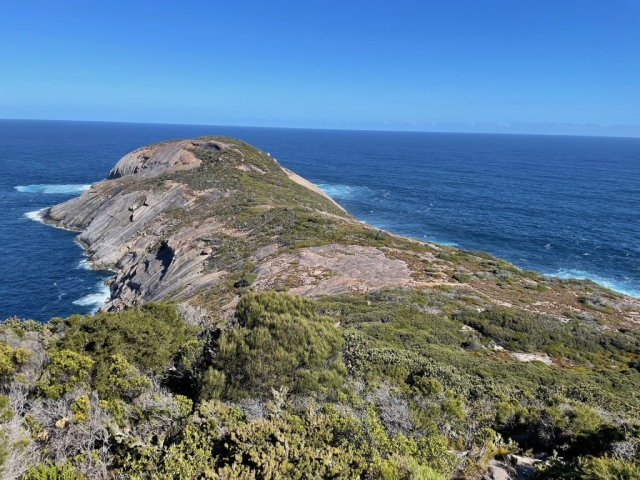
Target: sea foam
36,216
95,300
340,191
84,264
55,189
615,285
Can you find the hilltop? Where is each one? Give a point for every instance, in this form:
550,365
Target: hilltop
256,330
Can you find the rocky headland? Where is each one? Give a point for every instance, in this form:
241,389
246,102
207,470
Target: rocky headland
178,218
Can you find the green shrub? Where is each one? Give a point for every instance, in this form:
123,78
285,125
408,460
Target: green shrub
147,338
81,408
21,327
11,359
52,472
218,442
213,382
611,468
525,331
125,380
246,280
65,371
591,468
280,342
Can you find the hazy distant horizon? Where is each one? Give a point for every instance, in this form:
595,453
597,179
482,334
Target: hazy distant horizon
585,130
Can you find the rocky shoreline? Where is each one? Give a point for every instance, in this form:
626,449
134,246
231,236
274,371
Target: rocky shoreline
121,231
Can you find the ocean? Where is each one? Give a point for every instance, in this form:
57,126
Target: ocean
564,206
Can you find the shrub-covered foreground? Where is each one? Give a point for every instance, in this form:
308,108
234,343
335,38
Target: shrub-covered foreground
397,384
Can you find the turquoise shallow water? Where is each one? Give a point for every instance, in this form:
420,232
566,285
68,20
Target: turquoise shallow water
566,206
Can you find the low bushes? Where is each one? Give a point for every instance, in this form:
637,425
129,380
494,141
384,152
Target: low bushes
113,346
280,342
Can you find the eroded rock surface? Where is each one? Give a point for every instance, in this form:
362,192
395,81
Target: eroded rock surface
131,233
334,269
155,160
141,228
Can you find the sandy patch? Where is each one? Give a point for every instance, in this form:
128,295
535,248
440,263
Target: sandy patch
306,183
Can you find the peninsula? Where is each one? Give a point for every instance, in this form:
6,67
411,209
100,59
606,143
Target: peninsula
256,330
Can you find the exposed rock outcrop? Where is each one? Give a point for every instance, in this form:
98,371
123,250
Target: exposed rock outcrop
129,232
142,229
306,183
335,269
154,160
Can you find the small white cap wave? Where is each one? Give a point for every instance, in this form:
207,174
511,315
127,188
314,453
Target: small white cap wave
84,264
56,189
36,216
95,300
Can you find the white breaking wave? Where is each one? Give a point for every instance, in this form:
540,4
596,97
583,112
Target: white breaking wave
616,286
440,242
36,216
95,300
58,189
84,264
340,191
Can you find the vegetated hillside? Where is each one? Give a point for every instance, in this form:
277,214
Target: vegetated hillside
256,330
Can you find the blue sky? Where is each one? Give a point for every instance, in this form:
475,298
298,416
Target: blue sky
478,65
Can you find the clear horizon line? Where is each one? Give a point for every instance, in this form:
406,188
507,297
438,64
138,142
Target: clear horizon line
372,129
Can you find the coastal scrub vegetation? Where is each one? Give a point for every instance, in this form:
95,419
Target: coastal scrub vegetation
397,383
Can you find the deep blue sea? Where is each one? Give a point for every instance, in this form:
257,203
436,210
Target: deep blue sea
566,206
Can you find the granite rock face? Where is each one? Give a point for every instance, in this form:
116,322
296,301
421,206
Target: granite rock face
154,160
128,230
336,269
131,223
